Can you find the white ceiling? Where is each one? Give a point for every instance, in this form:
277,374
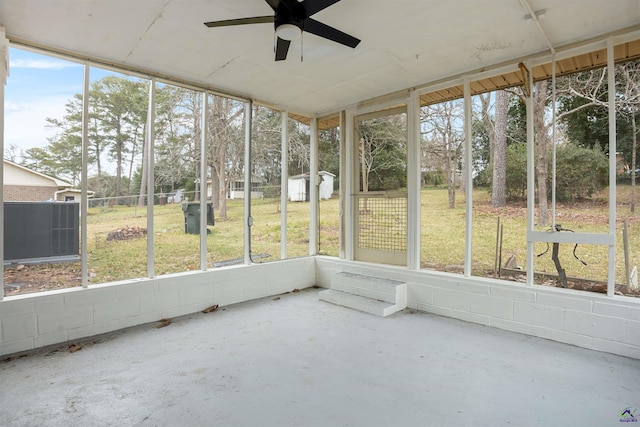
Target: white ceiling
404,42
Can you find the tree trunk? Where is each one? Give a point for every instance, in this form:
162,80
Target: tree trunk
215,189
363,164
222,184
542,143
143,178
499,181
634,145
449,169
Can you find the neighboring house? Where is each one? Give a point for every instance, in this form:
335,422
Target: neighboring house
298,186
71,195
22,184
236,188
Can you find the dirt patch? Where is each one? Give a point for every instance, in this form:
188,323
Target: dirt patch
24,279
126,233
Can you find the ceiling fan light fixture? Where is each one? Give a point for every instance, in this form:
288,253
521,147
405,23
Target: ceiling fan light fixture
288,31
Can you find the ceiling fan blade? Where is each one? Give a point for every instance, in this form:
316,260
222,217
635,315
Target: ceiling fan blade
315,6
282,47
240,21
323,30
274,4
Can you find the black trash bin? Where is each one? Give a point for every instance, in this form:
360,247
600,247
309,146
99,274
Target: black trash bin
191,212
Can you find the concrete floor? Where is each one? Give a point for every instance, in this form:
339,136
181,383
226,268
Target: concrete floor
298,361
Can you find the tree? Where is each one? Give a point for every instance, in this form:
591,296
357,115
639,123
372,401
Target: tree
496,132
121,112
225,126
584,107
383,153
441,124
498,192
628,104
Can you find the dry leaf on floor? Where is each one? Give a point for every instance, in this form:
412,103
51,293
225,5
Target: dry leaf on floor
210,309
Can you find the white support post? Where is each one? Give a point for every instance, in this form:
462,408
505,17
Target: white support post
248,219
4,72
313,188
553,142
204,187
84,198
468,159
284,184
342,190
151,118
413,181
611,81
349,189
530,174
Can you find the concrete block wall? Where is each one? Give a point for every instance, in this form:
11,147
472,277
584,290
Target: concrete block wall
36,320
584,319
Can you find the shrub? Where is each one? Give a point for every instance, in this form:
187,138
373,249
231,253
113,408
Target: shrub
580,172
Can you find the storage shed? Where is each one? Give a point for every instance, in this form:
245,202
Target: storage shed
298,186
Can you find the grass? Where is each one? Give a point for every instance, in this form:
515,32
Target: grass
442,236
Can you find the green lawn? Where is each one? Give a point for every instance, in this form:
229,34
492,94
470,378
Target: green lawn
442,236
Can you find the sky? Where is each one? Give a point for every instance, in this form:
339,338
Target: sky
38,87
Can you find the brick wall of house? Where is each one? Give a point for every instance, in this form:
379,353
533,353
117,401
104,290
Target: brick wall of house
26,193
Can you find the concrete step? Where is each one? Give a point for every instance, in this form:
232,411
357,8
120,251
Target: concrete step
391,291
358,302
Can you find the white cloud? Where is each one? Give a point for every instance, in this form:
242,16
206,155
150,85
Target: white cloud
25,125
42,64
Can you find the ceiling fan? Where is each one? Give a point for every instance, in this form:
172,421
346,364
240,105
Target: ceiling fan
292,17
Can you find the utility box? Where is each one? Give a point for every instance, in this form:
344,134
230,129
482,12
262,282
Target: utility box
40,230
191,212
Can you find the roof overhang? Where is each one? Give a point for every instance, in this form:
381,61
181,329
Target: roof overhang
424,45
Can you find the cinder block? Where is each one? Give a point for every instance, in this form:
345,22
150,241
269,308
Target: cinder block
49,339
323,277
49,303
420,293
565,337
158,301
68,318
169,284
16,328
181,310
616,348
91,330
82,296
471,317
539,315
140,319
491,306
509,325
228,293
632,332
137,289
564,302
594,325
513,293
471,288
451,299
631,312
434,309
16,346
114,310
16,307
196,295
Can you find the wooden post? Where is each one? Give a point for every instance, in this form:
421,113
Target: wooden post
496,264
625,240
